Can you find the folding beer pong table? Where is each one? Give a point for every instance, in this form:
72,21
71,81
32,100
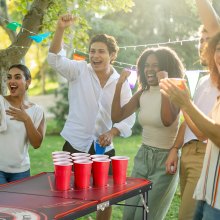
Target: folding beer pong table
36,198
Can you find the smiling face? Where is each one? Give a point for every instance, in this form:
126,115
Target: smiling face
16,82
202,43
217,57
100,58
150,70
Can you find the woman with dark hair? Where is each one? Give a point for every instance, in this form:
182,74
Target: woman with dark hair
22,123
207,191
159,119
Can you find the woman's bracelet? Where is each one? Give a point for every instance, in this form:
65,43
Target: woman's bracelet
175,147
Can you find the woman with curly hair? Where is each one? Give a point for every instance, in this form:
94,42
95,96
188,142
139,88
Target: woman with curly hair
159,119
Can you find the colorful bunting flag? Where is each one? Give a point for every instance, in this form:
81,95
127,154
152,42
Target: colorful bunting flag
13,25
78,57
38,38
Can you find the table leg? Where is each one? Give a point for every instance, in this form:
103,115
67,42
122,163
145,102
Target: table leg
144,198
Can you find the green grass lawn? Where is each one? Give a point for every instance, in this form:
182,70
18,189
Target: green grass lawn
36,87
41,161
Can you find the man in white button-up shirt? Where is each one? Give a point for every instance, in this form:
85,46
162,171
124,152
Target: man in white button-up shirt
91,91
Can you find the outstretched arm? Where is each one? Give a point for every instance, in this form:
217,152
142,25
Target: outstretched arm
106,138
63,22
209,17
119,112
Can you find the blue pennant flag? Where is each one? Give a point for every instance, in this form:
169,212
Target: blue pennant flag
38,38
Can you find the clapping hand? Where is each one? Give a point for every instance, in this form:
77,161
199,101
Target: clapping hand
18,114
180,97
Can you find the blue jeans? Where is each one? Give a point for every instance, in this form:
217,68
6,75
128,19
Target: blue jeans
204,211
9,177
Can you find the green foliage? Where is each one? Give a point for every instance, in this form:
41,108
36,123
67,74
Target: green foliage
60,110
84,11
36,89
135,22
157,21
53,128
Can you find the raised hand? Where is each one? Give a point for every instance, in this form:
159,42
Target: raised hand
161,75
66,21
123,76
180,97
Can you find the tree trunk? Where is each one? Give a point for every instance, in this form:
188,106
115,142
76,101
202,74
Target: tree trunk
19,47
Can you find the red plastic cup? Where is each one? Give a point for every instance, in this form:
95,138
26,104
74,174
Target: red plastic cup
62,172
60,152
61,156
82,173
80,155
179,82
80,158
62,159
119,168
94,156
100,168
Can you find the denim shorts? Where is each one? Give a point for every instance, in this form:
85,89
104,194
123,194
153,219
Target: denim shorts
204,211
9,177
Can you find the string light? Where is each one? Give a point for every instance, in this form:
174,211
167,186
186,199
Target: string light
14,46
161,43
118,63
119,67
